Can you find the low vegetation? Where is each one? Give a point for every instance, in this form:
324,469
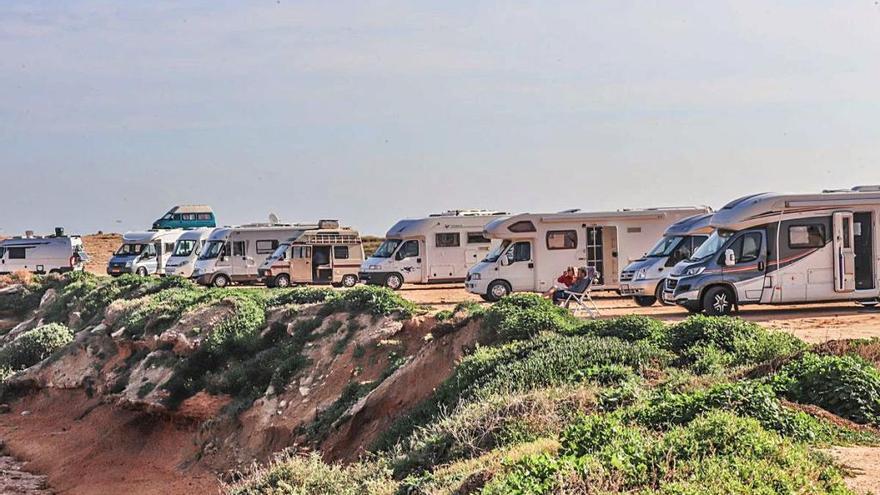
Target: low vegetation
31,347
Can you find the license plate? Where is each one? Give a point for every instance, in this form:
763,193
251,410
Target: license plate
115,270
624,287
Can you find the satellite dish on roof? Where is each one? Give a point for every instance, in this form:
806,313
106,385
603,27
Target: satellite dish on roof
273,218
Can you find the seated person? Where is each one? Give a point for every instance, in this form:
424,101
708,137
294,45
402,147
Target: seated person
580,284
563,282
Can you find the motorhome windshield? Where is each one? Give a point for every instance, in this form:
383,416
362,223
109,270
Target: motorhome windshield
712,245
130,249
213,249
2,251
387,248
665,247
496,253
184,248
281,252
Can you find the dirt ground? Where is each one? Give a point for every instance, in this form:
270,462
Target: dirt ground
811,322
100,248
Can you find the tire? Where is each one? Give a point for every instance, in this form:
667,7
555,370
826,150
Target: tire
142,271
497,290
220,281
349,280
718,301
658,293
394,281
486,298
645,301
281,281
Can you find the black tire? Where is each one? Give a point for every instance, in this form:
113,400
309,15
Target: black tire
220,281
645,301
349,280
142,271
719,301
394,281
658,293
282,281
497,290
486,298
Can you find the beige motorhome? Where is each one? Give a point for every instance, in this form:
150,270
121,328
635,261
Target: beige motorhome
329,254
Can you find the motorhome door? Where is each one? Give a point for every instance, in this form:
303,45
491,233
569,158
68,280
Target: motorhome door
520,269
409,258
748,272
844,252
301,264
863,231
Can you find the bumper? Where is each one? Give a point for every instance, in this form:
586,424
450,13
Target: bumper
119,270
682,291
203,279
373,278
639,287
477,287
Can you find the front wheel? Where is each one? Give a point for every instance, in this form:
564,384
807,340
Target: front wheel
282,281
142,271
394,281
497,290
349,280
718,301
220,281
645,301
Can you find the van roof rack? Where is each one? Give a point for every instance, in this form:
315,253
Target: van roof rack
867,188
468,213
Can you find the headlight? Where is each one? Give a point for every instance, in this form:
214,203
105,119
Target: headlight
475,276
694,271
373,267
641,274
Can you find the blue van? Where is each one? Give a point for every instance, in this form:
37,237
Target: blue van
187,217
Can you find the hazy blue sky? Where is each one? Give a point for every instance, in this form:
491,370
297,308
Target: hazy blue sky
111,112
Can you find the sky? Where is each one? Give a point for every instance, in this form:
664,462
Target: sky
371,111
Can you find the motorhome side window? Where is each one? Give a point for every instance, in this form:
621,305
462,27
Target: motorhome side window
266,247
747,248
447,239
238,248
522,226
806,236
410,249
562,239
477,238
204,216
521,251
17,253
340,252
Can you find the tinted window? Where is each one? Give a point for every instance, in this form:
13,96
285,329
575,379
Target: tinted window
806,236
238,248
562,239
17,253
410,249
204,216
447,239
340,252
522,226
747,247
266,247
477,238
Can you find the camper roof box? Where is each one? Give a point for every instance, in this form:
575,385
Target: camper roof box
867,188
468,213
328,224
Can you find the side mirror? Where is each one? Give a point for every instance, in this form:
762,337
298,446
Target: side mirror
729,257
505,261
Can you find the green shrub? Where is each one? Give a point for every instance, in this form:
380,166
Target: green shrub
629,327
522,316
309,475
24,299
379,301
33,346
711,342
845,385
300,295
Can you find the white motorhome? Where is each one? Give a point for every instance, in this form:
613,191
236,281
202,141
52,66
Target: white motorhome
186,251
437,248
644,279
775,248
143,253
234,254
57,253
329,254
536,248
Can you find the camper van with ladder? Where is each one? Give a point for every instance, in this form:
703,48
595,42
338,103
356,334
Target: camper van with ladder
329,254
57,253
534,248
645,278
437,248
775,248
234,254
143,253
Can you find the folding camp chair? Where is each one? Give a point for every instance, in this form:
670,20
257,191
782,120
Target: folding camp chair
582,300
